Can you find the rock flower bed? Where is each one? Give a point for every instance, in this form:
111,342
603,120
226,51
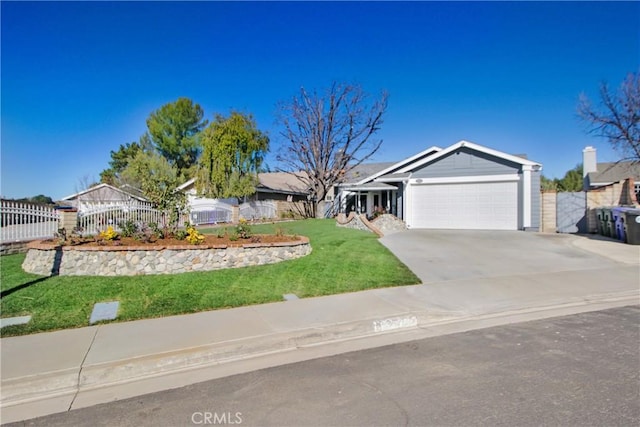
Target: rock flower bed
111,255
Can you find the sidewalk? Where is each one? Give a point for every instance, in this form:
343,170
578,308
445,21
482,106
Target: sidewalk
57,371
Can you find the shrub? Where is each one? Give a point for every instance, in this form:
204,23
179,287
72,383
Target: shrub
109,234
128,228
193,236
156,230
180,234
243,229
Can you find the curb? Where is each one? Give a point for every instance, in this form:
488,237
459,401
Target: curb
16,391
70,382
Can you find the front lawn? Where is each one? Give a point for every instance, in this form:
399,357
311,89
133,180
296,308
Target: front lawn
342,260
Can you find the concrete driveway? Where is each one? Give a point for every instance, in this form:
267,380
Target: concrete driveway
478,272
443,255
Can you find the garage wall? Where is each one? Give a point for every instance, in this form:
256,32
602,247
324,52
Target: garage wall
535,201
465,162
473,205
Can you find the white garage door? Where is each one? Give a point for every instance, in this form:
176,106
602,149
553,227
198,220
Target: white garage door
478,206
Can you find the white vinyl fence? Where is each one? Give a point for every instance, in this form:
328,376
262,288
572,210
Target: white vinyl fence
211,213
97,218
258,210
22,221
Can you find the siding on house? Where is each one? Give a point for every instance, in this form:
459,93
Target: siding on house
465,162
400,201
535,201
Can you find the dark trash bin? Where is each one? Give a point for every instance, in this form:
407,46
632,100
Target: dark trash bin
607,222
632,221
618,223
600,221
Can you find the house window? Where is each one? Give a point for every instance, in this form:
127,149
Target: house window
636,188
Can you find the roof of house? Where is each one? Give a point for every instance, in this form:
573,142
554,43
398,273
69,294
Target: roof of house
365,170
282,182
473,146
398,171
270,182
614,172
105,190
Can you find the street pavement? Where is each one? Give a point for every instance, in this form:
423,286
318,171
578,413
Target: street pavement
575,370
512,277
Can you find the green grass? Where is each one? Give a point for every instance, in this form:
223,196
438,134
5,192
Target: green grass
342,260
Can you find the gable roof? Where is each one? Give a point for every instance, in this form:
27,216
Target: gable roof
509,157
393,168
611,172
107,187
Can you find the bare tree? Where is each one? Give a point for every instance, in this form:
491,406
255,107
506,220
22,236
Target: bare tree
85,182
329,134
618,117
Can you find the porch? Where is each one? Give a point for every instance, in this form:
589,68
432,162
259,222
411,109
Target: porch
370,198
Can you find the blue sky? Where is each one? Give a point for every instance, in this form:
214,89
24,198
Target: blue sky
79,79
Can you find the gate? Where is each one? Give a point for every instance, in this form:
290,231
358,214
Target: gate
571,212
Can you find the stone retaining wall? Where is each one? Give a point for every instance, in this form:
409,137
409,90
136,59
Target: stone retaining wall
47,259
357,222
383,224
9,248
388,224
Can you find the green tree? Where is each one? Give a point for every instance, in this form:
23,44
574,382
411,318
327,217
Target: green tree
41,199
119,161
572,180
174,131
158,180
233,153
548,184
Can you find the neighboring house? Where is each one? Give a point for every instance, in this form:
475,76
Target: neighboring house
271,186
103,195
463,186
280,186
598,175
287,193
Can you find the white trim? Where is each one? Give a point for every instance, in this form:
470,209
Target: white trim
398,179
471,145
186,184
463,179
406,203
602,184
399,164
363,189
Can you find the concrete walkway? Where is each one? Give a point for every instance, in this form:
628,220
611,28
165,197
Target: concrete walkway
58,371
